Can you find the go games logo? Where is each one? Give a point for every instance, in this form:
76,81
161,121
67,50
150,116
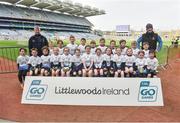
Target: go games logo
36,90
147,92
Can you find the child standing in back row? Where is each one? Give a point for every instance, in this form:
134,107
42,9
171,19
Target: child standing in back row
93,47
113,46
72,46
146,49
60,46
102,45
22,63
98,61
82,45
134,48
123,47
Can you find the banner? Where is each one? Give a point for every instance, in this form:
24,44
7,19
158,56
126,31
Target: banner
93,91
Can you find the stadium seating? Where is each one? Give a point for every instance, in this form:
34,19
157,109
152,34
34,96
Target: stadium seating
17,23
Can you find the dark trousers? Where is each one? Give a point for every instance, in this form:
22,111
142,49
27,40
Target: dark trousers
21,75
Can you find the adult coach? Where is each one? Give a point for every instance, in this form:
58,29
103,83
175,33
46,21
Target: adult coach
154,40
37,41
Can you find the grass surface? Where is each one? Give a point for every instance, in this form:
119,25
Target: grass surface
12,53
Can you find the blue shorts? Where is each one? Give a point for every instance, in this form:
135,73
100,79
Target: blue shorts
23,67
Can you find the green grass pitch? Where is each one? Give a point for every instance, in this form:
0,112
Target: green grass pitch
12,53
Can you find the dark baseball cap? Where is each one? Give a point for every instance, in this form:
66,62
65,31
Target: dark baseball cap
148,26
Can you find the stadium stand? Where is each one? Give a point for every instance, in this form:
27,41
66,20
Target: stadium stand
56,18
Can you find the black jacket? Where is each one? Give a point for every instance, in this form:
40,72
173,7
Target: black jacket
37,41
151,39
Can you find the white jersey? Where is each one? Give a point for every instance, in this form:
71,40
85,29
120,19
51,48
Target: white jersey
93,51
55,59
87,58
129,60
152,63
22,60
123,51
135,52
72,48
66,60
98,60
60,50
118,59
77,60
103,49
114,51
140,63
108,59
50,51
45,60
34,61
82,48
146,53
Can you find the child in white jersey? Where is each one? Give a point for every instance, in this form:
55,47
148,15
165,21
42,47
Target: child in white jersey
152,64
34,62
93,47
60,46
87,60
129,63
82,45
55,62
77,63
134,48
123,47
98,61
22,63
102,45
108,63
113,46
146,49
72,46
45,62
141,65
118,63
66,63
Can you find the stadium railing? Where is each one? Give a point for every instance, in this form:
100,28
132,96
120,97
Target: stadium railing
8,56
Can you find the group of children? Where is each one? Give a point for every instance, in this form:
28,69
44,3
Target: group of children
88,60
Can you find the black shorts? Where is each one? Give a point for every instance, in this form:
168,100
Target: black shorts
118,68
55,67
128,66
77,68
46,68
33,68
152,72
